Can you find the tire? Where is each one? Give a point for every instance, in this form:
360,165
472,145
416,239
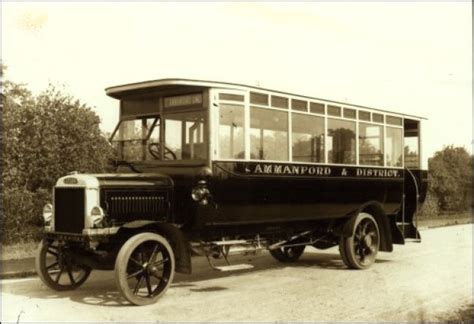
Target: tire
359,251
144,268
288,254
57,268
342,251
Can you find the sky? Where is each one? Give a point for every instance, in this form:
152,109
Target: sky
406,57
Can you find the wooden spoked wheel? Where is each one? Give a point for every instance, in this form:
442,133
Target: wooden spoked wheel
57,267
144,268
359,251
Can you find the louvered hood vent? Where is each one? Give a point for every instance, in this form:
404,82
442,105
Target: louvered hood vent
130,197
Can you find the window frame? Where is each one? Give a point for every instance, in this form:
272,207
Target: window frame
356,133
214,110
218,125
358,142
402,148
289,111
288,130
324,134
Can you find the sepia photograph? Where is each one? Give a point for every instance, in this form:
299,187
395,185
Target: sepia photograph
260,161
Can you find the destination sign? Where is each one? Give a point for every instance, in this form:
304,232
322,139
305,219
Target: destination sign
184,100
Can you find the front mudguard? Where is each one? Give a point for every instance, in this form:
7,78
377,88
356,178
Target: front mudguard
178,241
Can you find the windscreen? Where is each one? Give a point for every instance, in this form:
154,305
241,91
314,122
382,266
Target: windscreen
173,135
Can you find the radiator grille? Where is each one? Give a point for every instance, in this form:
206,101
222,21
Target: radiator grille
69,210
129,205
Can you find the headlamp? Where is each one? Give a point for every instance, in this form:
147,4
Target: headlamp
47,214
200,193
97,216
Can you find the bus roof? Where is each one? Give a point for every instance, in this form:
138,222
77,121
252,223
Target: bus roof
171,84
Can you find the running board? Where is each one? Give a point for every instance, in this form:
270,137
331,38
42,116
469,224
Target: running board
234,267
230,242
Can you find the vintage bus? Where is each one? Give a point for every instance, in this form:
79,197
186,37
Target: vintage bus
218,169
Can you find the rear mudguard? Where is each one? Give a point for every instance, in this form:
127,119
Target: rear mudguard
374,209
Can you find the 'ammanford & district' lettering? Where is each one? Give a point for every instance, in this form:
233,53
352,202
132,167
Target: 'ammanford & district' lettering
280,169
291,169
384,173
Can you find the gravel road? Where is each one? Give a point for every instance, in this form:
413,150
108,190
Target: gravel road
416,282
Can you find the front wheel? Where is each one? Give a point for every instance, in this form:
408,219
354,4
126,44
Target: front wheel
359,251
288,254
144,268
57,268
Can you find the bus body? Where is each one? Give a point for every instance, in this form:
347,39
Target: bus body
217,168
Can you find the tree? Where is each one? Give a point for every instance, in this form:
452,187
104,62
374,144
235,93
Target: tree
45,137
450,172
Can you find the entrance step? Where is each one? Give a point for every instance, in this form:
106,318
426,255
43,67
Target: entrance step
410,240
409,231
235,267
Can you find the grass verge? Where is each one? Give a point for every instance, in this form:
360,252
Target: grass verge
464,315
445,220
18,251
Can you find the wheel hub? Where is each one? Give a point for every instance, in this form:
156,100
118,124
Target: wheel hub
153,270
367,241
62,261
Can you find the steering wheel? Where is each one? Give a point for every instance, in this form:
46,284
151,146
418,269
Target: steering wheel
155,151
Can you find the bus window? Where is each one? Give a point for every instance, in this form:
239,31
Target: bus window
392,120
370,144
364,115
259,98
341,141
317,108
268,134
411,154
279,102
412,143
231,132
378,118
393,150
299,105
308,138
349,113
185,135
334,110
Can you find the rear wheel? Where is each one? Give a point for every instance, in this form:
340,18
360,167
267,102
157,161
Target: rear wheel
57,267
359,251
288,254
144,268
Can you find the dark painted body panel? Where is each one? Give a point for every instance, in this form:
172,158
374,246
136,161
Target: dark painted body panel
251,197
257,192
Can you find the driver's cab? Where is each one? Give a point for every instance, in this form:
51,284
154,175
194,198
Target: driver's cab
162,124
